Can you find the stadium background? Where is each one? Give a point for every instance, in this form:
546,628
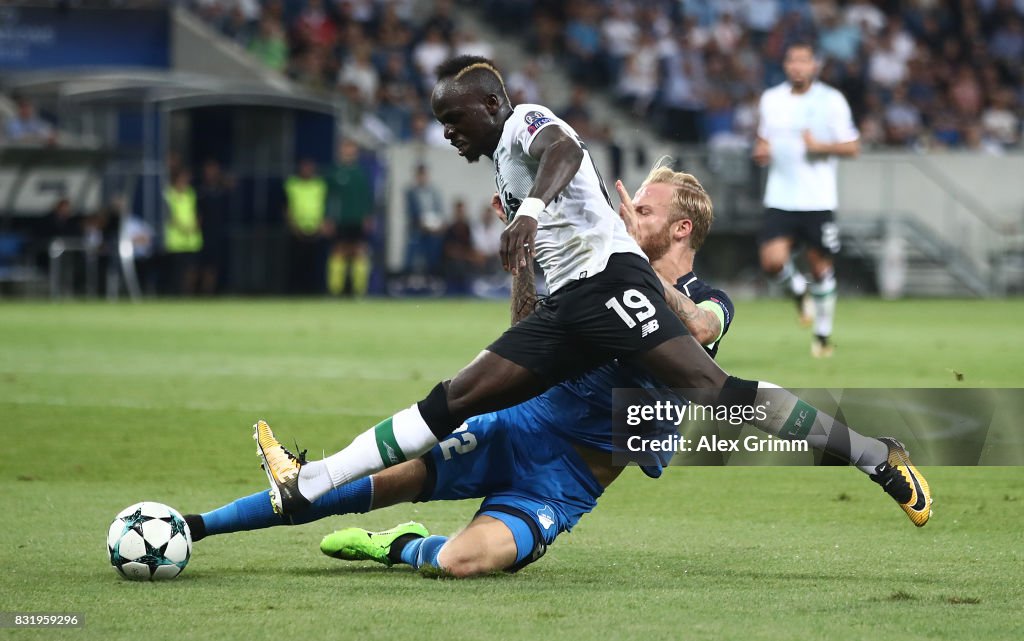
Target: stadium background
107,404
133,91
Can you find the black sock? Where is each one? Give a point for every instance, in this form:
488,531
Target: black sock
196,526
435,413
395,551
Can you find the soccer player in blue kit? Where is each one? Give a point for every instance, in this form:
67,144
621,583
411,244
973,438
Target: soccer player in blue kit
606,302
541,465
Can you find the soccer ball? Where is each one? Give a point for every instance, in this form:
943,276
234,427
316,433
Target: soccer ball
148,542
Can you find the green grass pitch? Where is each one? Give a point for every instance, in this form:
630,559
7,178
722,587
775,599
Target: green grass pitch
105,405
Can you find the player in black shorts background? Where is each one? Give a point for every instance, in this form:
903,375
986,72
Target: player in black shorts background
606,302
804,128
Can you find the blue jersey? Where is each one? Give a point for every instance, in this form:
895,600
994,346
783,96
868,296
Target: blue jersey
580,409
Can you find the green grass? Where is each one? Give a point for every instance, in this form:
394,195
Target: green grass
108,405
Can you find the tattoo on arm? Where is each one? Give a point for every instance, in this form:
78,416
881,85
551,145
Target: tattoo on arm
703,325
524,293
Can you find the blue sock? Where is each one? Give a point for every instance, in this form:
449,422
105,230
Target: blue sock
423,552
255,511
352,498
248,513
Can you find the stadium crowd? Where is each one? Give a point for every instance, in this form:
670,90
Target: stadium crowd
923,74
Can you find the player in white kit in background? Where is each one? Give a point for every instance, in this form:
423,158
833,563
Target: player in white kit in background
805,127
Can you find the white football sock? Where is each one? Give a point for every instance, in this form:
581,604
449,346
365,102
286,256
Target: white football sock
792,278
823,291
402,437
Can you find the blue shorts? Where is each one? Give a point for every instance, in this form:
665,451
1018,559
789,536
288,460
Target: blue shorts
531,479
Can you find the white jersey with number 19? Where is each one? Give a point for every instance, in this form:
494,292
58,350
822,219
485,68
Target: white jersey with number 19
579,230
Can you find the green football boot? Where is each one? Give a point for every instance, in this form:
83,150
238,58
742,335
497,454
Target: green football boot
357,544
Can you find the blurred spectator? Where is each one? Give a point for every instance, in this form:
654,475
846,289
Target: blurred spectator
976,140
350,198
1007,43
311,68
213,199
397,99
183,237
460,259
485,232
865,16
945,126
577,113
726,33
27,127
583,44
620,32
467,44
269,46
888,61
60,221
638,82
428,54
902,119
360,72
736,46
999,121
524,84
684,90
838,40
442,19
314,27
760,16
720,115
423,223
306,202
745,118
965,92
545,39
140,234
113,230
426,130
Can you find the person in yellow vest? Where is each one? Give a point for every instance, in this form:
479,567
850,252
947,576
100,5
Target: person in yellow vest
306,202
183,237
350,195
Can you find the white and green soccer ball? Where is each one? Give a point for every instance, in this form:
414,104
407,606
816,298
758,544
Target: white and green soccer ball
149,541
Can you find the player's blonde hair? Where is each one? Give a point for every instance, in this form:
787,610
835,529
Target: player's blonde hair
689,200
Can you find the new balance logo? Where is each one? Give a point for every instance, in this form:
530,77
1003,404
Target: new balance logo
649,328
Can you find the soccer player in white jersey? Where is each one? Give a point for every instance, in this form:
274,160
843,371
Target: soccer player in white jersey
805,127
606,302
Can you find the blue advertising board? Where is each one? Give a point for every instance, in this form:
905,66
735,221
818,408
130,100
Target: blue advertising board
33,38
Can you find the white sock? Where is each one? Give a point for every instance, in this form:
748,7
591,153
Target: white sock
791,277
402,437
798,284
823,291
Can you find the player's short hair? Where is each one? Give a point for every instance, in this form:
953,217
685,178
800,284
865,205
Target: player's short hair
689,202
802,44
478,69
